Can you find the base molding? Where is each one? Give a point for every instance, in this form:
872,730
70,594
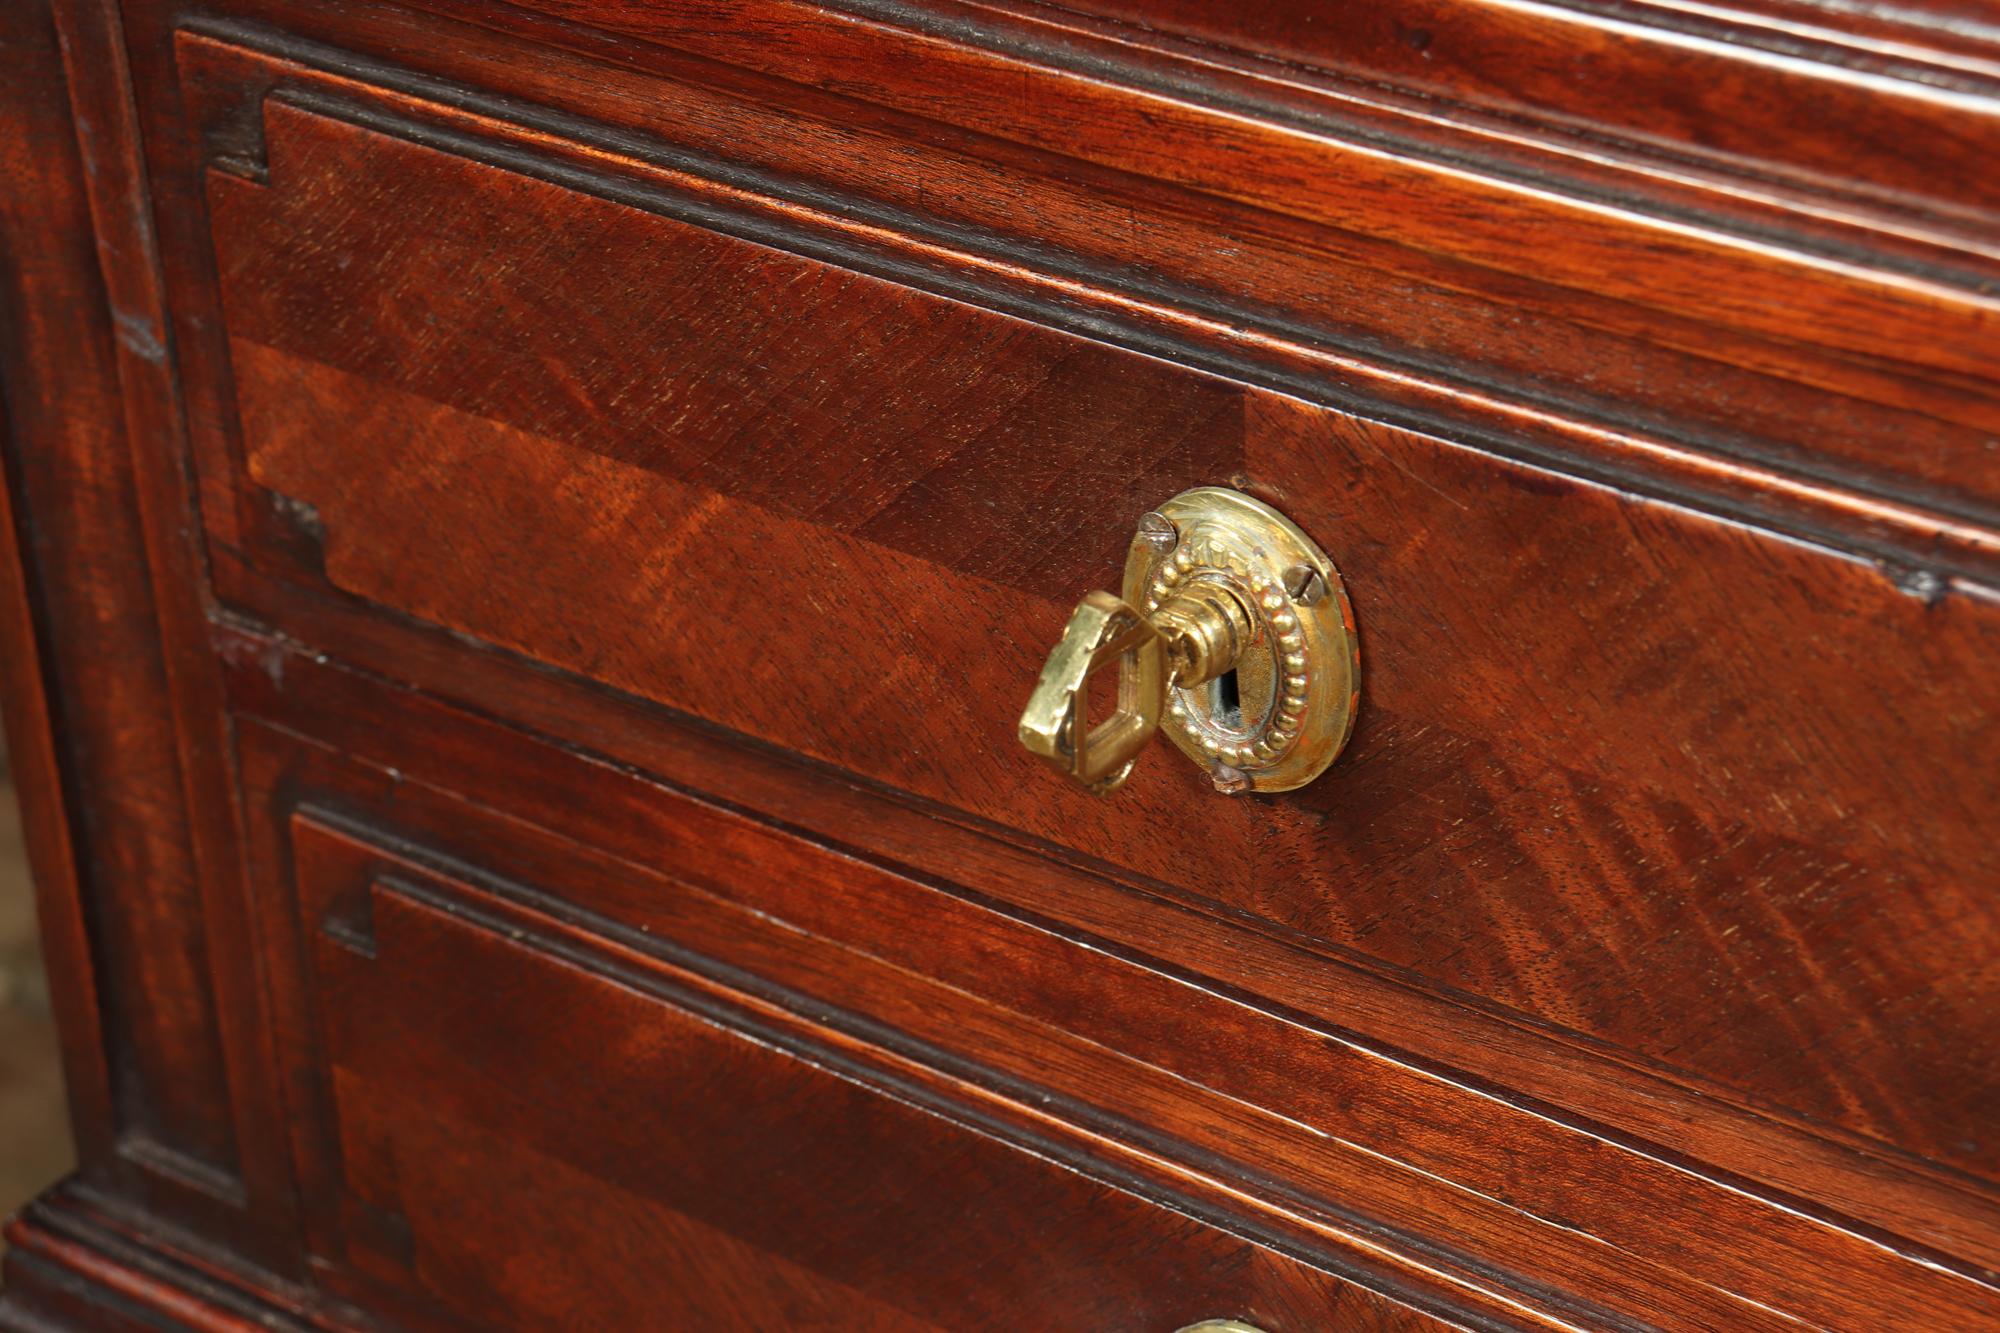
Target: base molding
68,1267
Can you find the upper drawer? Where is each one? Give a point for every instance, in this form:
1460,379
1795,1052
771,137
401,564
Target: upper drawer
1778,353
699,443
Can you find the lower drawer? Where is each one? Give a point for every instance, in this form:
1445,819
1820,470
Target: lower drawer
507,1121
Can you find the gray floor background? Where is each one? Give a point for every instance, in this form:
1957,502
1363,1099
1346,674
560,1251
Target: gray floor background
34,1128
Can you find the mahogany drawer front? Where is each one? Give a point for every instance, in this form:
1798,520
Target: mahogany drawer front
1124,1061
1636,771
508,1118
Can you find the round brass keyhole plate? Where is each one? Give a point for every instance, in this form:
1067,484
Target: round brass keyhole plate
1288,708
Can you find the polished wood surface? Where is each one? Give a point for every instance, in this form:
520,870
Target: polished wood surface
1046,1007
530,526
502,472
812,1180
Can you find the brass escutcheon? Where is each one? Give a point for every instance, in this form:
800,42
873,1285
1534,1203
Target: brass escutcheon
1234,634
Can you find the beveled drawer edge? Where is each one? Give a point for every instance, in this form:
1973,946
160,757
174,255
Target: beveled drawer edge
74,1254
1927,51
1922,548
1950,242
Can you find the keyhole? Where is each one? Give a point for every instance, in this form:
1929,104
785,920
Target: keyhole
1225,700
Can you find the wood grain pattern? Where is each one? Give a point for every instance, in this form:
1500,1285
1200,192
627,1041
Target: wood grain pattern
775,401
414,737
1755,886
1346,181
528,527
1888,127
1678,403
1045,1013
122,903
440,1123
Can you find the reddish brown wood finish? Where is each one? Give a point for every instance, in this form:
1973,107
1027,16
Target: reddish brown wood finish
1284,300
519,484
527,528
808,1179
1045,1009
1726,87
106,656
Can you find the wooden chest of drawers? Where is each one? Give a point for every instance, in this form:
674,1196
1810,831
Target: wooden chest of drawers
529,529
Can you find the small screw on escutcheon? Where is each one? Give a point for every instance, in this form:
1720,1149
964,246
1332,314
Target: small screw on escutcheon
1158,531
1306,584
1229,781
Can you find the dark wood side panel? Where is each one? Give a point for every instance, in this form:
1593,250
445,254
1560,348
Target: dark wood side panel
164,1105
1718,801
47,292
97,620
